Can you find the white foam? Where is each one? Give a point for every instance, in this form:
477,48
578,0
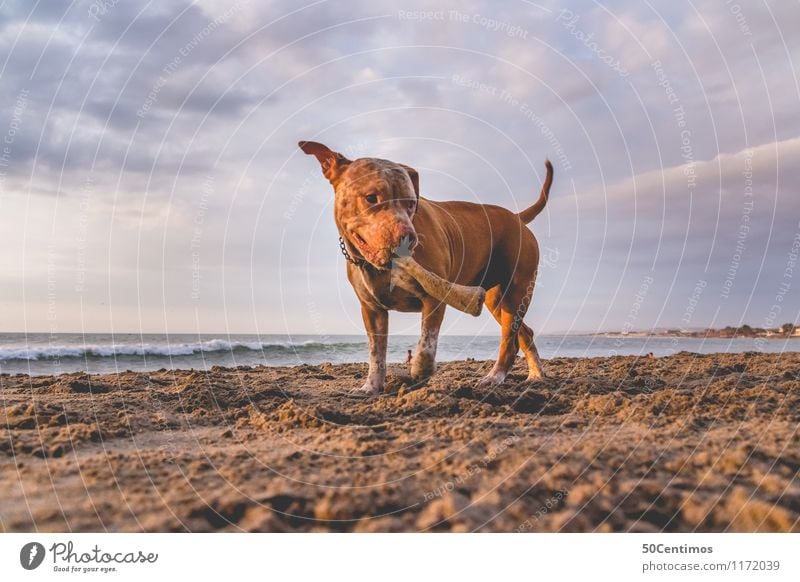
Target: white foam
46,352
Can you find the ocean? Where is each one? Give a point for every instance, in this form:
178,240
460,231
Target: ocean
41,353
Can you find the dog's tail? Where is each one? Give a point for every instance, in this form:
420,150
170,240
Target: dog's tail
533,211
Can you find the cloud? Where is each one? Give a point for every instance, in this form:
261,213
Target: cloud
133,109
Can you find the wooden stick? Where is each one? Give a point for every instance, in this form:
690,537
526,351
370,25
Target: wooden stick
462,297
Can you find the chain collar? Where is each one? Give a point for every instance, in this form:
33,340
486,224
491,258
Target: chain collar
358,262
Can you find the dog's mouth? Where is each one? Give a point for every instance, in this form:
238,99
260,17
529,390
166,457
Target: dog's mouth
381,257
372,255
360,242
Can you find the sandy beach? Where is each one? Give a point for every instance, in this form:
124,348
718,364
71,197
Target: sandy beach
681,443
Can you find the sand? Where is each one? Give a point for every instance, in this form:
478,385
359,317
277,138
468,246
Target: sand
682,443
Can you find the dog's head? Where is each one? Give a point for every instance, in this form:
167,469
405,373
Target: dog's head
375,201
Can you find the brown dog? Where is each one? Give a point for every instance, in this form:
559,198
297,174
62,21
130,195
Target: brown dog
377,206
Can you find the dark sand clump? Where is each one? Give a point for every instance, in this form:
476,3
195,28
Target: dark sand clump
684,443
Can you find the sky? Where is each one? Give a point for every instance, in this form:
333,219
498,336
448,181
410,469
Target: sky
150,179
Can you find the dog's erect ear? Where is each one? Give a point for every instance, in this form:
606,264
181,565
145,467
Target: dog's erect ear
332,162
414,175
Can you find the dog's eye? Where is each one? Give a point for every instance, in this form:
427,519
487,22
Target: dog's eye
372,198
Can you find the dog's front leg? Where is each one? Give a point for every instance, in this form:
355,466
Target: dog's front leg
424,362
376,322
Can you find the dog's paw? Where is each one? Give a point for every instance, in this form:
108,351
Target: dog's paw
423,366
535,377
491,379
367,389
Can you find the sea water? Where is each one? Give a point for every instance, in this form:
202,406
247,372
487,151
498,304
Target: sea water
103,353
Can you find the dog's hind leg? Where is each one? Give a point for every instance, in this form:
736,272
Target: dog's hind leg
509,344
509,314
528,346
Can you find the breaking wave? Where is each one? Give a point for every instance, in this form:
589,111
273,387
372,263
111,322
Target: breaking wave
167,350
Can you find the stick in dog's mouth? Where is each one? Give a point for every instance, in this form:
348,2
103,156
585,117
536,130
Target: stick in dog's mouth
403,249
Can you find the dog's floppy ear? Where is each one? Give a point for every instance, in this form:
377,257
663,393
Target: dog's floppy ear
414,175
332,162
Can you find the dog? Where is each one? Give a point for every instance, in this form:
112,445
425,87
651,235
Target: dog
377,208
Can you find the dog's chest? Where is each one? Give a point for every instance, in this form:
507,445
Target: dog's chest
387,289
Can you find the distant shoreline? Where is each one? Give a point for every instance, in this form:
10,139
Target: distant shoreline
743,332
